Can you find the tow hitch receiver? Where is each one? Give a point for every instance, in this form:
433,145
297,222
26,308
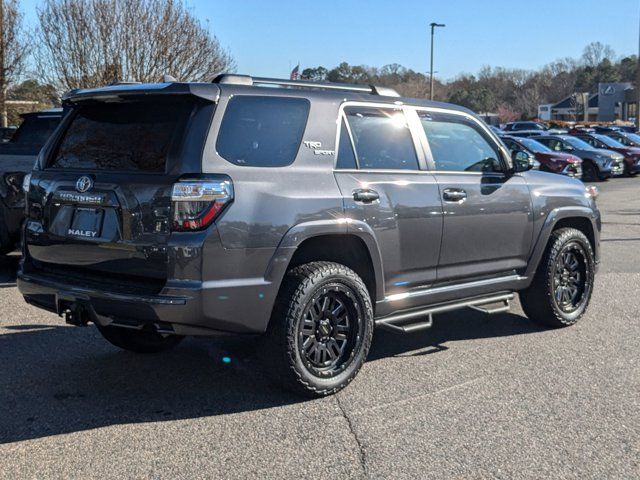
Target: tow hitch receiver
75,314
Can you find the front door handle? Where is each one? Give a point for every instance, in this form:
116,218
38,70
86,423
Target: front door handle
365,195
454,195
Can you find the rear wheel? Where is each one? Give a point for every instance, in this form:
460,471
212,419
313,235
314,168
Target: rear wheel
139,341
562,286
321,329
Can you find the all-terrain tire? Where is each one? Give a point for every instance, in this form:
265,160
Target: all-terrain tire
138,341
540,301
295,333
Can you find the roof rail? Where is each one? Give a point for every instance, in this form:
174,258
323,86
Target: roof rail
248,80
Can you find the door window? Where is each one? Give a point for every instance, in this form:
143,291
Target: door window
458,145
382,138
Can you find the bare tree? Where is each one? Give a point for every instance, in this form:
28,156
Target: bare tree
13,51
88,43
594,53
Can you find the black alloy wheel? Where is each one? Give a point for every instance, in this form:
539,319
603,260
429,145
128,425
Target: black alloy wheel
330,331
570,277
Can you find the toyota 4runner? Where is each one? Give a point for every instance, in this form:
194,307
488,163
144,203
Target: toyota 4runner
305,212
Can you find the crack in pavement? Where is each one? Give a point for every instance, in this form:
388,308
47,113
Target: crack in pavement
362,454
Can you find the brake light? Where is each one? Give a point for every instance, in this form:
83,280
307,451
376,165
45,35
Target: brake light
197,203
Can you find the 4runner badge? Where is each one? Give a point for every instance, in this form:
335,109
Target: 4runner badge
84,184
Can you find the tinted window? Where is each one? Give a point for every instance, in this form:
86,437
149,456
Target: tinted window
382,138
122,136
458,145
346,157
35,131
262,131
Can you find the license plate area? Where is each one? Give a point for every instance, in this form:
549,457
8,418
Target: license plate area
86,223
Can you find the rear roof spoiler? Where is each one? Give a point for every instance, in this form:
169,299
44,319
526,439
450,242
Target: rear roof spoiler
115,92
247,80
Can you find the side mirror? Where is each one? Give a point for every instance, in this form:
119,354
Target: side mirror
521,161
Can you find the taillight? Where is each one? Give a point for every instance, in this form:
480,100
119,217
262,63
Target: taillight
197,203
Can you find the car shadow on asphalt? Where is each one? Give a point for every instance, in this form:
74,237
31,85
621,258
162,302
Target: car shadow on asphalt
464,324
59,379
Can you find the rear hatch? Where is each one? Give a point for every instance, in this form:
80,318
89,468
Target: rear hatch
100,201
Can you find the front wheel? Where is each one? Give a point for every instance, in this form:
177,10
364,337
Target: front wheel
591,173
562,286
320,331
138,341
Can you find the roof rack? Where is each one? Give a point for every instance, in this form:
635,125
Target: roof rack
232,79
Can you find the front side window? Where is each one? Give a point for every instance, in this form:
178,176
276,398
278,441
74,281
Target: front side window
262,131
457,144
382,138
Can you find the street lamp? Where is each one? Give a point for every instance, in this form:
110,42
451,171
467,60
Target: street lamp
433,27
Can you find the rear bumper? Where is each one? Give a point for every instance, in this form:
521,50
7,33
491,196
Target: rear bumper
184,308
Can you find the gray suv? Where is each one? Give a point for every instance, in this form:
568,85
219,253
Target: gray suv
308,213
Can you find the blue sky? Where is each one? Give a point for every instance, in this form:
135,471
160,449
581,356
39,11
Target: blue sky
266,37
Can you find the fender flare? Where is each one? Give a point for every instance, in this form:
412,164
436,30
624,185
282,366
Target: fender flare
552,219
297,234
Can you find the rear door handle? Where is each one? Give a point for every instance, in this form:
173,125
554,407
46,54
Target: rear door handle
365,195
454,195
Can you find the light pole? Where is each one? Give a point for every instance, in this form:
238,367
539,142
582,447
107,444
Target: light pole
433,27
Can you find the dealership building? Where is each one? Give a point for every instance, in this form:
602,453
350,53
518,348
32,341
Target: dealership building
613,101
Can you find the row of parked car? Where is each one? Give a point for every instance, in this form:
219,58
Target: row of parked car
590,153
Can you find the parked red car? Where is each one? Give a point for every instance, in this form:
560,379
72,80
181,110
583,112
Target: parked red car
631,154
550,161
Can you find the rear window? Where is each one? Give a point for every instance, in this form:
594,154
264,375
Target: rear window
133,136
262,131
35,131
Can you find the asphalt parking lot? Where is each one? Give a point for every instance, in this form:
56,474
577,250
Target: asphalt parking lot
475,397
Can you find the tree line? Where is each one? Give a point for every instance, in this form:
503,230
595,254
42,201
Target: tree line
511,93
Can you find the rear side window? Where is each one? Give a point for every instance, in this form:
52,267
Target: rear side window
134,136
458,144
382,138
262,131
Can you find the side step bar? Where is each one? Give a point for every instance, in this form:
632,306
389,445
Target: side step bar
401,322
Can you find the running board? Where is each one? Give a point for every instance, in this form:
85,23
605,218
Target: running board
401,322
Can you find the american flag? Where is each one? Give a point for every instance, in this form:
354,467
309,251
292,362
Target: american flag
295,73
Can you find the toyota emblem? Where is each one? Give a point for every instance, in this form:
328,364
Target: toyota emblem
84,184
